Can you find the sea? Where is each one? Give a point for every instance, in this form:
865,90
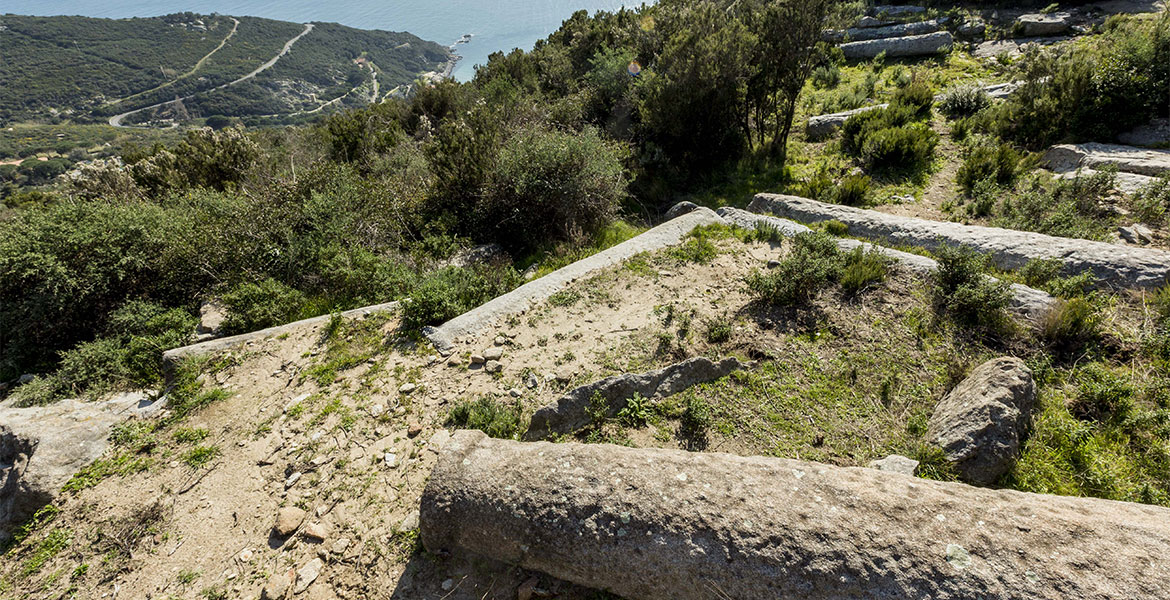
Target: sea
493,24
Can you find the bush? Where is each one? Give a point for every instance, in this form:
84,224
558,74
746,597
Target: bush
254,306
489,415
452,291
1069,326
813,263
863,269
551,185
964,100
826,76
852,191
1101,395
910,146
1151,204
963,293
719,330
998,163
916,97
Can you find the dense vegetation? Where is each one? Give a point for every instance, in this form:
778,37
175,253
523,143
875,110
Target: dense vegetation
79,67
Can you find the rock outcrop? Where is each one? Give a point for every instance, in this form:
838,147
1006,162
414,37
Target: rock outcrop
1113,265
42,447
822,126
981,424
1040,24
1127,159
654,524
895,463
911,45
569,414
862,34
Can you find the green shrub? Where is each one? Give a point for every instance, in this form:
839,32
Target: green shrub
697,248
254,306
852,191
1161,302
452,291
1039,272
552,185
857,128
1070,325
906,147
826,76
960,129
489,415
1151,204
813,263
835,227
963,293
1101,395
998,163
964,100
915,96
863,269
636,412
719,330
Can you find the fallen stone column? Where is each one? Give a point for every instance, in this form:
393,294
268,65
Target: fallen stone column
911,45
651,524
1113,265
1150,162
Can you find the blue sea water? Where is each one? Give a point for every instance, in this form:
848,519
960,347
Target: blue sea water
496,24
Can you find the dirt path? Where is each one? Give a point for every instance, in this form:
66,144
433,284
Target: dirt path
116,120
198,65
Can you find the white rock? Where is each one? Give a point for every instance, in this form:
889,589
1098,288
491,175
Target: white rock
391,460
308,574
407,388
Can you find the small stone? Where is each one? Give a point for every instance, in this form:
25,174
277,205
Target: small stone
527,589
454,361
340,546
288,518
410,523
500,340
245,555
493,354
407,388
895,463
316,532
1136,234
665,274
308,574
516,392
565,374
292,480
278,585
493,366
377,410
391,460
531,381
772,264
448,584
477,359
414,429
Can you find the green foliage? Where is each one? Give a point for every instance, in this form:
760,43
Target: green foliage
1064,208
253,306
916,97
963,293
452,291
964,100
1124,74
813,263
863,269
1070,325
56,541
696,249
719,330
1101,395
1152,203
636,412
998,163
853,190
552,185
199,456
888,138
496,418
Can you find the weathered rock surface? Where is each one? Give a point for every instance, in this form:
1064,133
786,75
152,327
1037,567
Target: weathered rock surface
911,45
1151,134
822,126
868,21
654,524
862,34
288,519
1124,182
1039,24
1013,47
482,254
42,447
1113,265
680,209
1128,159
981,424
896,11
1032,304
568,414
895,463
211,318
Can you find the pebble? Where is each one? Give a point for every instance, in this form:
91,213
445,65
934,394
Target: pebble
500,340
377,410
340,546
448,584
246,555
410,523
516,392
531,381
493,354
772,264
278,585
407,388
391,460
454,361
288,518
477,359
308,574
292,480
493,366
316,531
414,429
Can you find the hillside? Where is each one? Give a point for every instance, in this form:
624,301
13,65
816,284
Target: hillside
89,69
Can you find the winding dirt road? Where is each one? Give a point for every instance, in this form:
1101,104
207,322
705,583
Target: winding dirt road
116,120
198,64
